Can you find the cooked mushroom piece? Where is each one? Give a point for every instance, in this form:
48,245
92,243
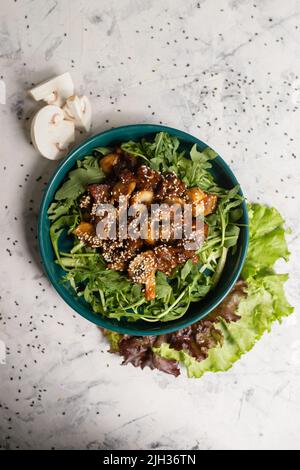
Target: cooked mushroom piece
210,203
122,189
85,202
168,257
202,202
86,234
142,197
150,239
196,197
84,228
108,162
120,257
174,200
142,270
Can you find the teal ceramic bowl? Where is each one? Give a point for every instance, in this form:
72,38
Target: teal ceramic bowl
234,263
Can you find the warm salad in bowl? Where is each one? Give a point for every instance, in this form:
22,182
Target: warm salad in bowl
169,251
199,298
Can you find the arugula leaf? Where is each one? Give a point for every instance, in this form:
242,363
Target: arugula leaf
135,149
210,153
163,289
101,151
87,172
57,209
68,222
202,157
185,271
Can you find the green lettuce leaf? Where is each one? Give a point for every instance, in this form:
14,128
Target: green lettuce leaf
264,304
114,339
267,239
88,171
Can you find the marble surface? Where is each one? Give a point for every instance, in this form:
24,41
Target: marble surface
224,71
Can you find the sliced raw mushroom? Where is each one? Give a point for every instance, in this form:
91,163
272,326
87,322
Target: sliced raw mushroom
54,91
51,134
78,109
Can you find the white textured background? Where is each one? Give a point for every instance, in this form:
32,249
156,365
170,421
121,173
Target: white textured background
226,71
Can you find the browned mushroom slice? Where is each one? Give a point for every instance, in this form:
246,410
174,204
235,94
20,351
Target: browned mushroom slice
150,240
123,253
108,162
132,246
202,203
196,197
111,250
86,233
122,189
210,204
84,228
142,197
142,270
174,200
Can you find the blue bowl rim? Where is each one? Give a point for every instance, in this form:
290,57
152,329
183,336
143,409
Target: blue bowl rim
89,315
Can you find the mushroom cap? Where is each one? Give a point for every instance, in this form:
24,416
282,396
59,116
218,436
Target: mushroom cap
54,91
51,134
79,110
